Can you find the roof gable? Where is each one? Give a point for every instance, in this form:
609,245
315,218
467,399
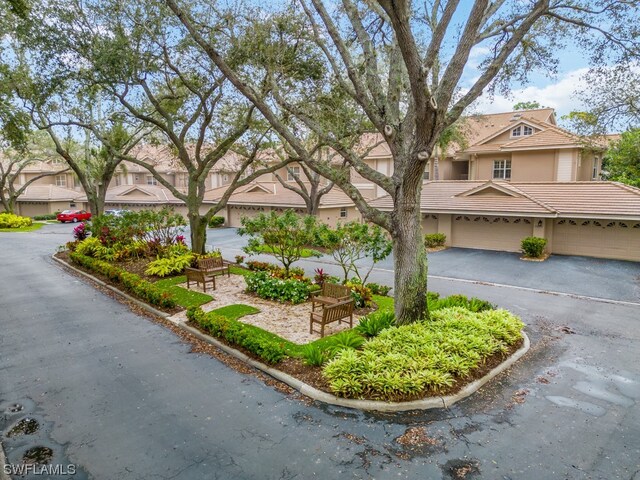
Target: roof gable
490,188
135,190
521,121
257,188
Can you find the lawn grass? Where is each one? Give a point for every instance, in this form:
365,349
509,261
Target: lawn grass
234,312
30,228
183,297
305,252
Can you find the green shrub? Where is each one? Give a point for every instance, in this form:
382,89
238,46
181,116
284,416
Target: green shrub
48,216
533,247
216,222
257,266
361,295
253,339
282,290
9,220
130,281
371,325
432,240
175,264
349,339
472,304
314,356
378,289
92,247
424,356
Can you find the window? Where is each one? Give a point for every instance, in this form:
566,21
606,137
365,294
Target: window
61,180
521,130
118,181
596,164
425,175
343,212
502,169
293,173
151,180
225,178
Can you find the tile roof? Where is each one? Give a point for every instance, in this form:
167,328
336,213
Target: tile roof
552,136
138,194
274,194
545,199
41,193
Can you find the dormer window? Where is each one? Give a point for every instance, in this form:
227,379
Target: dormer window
521,130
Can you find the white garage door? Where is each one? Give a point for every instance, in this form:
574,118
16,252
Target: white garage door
236,214
597,238
490,233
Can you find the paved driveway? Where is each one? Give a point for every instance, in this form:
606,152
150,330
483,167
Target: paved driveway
611,279
122,397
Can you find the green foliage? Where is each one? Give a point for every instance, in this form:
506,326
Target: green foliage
216,221
282,290
131,282
352,242
371,325
424,356
170,265
432,240
262,344
622,161
48,216
93,247
473,304
533,247
313,355
348,339
361,295
285,235
531,105
378,289
10,220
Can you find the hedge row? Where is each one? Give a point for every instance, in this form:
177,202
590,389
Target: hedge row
253,339
131,282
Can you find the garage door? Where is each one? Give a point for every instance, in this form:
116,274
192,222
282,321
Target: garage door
236,214
597,238
490,233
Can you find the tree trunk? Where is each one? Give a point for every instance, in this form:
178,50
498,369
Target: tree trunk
410,265
198,226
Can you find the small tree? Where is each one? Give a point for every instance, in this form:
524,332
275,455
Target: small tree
351,242
622,160
531,105
284,236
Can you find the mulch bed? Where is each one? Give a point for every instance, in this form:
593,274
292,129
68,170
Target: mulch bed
292,366
313,375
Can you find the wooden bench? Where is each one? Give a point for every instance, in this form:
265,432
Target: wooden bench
338,312
213,266
330,294
200,277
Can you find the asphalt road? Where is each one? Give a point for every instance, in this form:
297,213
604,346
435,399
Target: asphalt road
593,277
122,398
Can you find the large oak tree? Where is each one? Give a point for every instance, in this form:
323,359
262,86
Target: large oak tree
403,63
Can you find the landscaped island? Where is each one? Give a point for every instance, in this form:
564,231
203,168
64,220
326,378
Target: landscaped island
264,310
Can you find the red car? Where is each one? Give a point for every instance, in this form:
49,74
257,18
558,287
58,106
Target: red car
73,216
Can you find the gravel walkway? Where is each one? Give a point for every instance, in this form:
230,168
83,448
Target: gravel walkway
287,321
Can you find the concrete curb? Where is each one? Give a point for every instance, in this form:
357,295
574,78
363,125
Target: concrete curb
3,462
143,305
375,405
314,393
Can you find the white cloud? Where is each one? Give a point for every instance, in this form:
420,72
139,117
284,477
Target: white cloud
559,95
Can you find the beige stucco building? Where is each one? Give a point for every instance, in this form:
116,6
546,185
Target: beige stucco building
518,174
